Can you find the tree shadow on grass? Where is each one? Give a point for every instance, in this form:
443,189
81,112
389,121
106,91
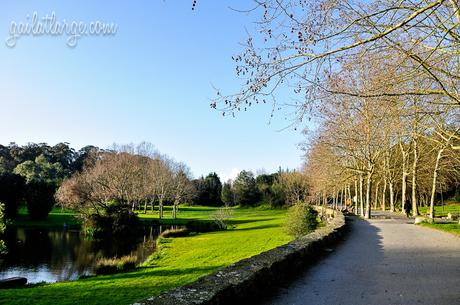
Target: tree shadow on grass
154,271
258,227
69,295
243,221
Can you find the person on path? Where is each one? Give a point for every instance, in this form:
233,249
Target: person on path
407,208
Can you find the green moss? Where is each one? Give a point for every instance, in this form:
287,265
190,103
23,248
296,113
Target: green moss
178,261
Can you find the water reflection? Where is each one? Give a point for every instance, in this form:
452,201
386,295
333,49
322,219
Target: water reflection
52,255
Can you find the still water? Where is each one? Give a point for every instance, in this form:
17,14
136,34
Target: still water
50,255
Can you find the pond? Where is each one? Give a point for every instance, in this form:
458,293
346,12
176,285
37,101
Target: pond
51,255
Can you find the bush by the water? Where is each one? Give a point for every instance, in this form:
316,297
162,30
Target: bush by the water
175,233
301,220
117,221
114,265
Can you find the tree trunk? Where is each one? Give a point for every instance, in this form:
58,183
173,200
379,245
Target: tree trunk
414,180
403,187
404,176
355,202
361,198
376,202
368,196
175,209
392,197
341,199
145,206
349,196
384,194
160,205
435,177
337,200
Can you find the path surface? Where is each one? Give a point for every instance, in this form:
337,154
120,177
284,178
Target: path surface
382,261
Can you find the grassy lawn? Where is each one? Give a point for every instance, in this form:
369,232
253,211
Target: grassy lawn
453,228
449,207
56,219
179,261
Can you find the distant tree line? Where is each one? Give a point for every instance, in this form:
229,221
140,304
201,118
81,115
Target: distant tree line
283,188
109,186
32,173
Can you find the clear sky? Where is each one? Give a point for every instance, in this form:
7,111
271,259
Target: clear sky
151,81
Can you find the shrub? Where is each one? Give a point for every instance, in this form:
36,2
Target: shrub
301,220
123,221
118,221
175,233
40,199
114,265
221,217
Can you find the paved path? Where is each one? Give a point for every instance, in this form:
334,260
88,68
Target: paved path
382,261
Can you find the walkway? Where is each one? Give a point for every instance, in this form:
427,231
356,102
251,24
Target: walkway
383,261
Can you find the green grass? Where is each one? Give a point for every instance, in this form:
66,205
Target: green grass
453,228
440,211
179,261
56,219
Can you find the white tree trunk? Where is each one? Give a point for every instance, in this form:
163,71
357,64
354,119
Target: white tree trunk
392,197
414,180
435,177
384,194
368,196
376,199
404,155
160,205
355,203
403,185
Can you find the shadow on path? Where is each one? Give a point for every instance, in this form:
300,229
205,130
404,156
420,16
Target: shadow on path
382,261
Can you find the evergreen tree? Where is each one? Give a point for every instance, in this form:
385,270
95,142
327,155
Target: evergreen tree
227,196
245,188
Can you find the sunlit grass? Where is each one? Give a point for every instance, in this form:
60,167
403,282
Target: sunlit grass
453,228
442,211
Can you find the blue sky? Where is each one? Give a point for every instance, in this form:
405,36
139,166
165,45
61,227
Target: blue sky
152,81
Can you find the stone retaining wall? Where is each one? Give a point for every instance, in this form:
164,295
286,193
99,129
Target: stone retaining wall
244,281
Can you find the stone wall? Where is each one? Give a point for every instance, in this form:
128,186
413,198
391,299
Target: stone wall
246,280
